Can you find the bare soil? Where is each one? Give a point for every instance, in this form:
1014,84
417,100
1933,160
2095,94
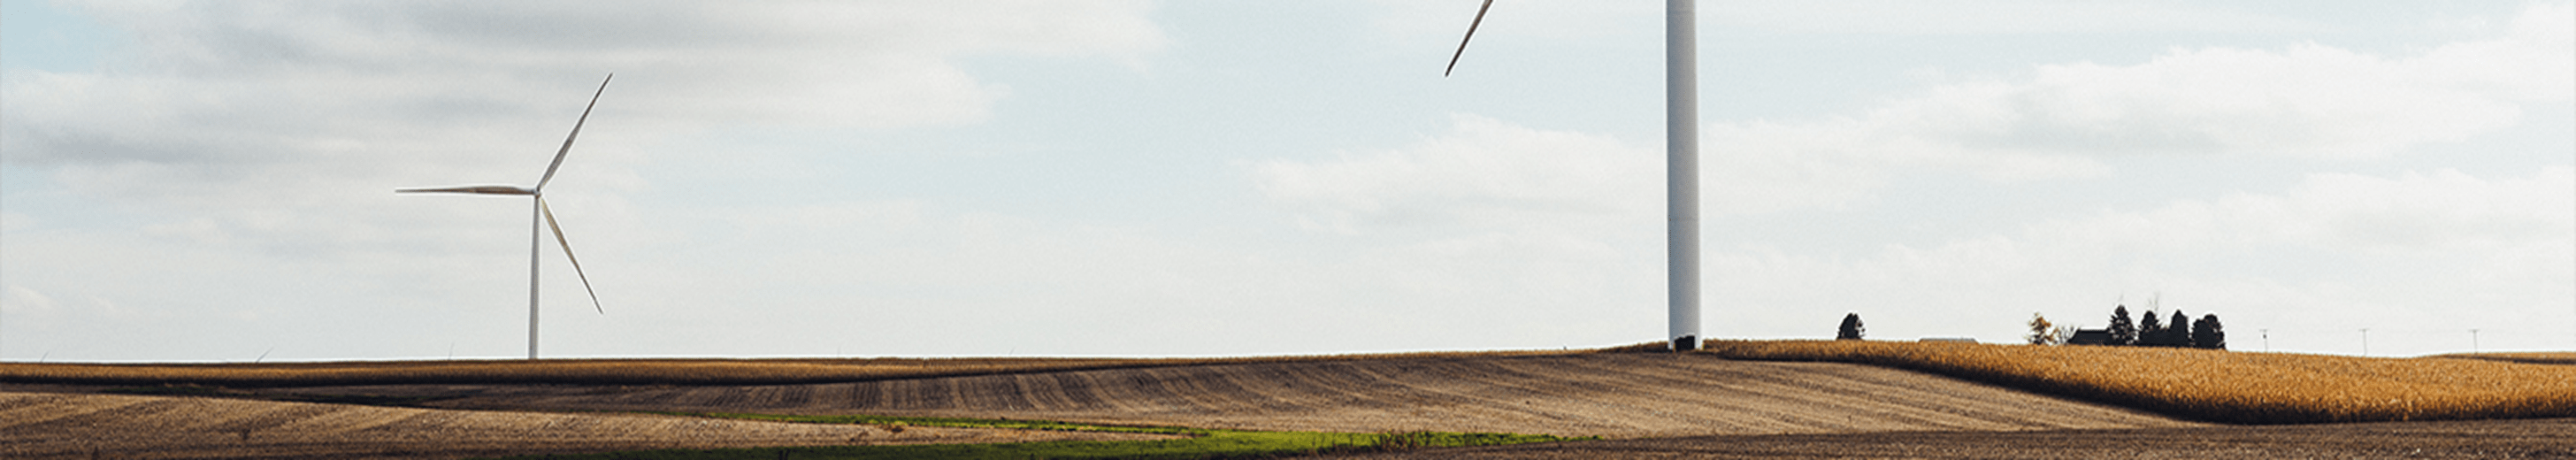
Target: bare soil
2537,438
1613,395
58,425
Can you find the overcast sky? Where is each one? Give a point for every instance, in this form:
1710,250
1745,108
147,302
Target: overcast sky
184,181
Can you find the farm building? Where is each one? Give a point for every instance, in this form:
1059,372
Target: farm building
2090,337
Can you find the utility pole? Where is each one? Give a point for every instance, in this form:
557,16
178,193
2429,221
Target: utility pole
2473,341
2267,339
2365,341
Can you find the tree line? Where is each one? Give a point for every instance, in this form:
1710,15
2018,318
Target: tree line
2181,331
2148,331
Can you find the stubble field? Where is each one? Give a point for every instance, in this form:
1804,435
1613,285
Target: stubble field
58,425
1903,401
1614,395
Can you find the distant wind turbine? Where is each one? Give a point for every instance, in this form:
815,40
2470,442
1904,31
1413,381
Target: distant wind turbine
1681,162
540,213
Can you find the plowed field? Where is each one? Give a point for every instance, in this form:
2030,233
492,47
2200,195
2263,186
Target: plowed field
49,425
1615,395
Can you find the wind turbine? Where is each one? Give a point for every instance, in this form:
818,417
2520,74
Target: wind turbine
1681,163
539,214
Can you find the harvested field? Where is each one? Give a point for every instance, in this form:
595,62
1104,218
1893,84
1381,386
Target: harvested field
2536,438
2222,386
1617,395
52,425
1798,404
618,371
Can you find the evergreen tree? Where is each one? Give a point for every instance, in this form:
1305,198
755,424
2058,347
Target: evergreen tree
2122,331
2207,334
2151,330
2178,331
1851,329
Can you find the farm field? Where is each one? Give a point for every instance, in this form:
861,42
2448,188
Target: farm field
621,371
1609,394
56,425
1775,396
2221,386
2531,438
2545,357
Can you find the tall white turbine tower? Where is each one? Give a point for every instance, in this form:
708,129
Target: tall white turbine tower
540,214
1681,163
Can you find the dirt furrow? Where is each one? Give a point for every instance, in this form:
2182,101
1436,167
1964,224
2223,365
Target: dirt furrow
1619,395
124,426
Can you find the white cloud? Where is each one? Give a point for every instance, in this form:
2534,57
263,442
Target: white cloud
225,153
289,82
285,125
1410,21
1484,172
2061,121
1989,17
2445,212
2307,101
21,300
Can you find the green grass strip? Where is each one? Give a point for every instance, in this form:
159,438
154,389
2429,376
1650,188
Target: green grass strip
950,422
1201,443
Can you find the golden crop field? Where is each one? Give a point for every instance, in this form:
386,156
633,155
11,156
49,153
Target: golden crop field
2222,386
615,371
2545,357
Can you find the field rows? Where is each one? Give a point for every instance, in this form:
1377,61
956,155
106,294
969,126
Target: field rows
1618,395
618,371
1797,396
48,425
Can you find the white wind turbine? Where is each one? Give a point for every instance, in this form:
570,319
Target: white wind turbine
1681,162
540,213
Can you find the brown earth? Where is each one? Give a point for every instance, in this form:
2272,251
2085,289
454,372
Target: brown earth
1614,395
58,425
1652,405
768,371
2536,438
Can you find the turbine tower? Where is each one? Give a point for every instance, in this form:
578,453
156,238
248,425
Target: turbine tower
539,214
1681,163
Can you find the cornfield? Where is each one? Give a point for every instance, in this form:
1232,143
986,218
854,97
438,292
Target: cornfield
2525,357
2220,386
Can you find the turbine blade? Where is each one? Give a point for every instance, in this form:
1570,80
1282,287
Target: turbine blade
576,132
472,189
1471,35
567,247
